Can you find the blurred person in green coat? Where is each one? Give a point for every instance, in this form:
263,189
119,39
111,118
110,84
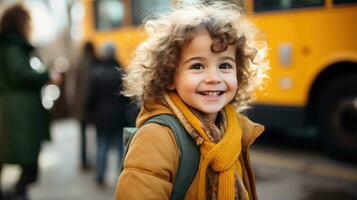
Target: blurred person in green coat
24,123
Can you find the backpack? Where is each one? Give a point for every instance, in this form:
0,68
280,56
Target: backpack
189,153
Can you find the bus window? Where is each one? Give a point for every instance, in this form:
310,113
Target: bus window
109,14
269,5
141,9
344,1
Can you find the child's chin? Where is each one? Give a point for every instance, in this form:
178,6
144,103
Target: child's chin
211,111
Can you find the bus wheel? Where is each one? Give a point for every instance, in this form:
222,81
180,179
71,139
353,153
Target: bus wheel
337,112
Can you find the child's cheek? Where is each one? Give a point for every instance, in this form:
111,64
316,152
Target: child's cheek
232,82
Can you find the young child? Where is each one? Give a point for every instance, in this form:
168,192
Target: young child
201,64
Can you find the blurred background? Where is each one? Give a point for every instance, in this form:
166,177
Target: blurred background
309,104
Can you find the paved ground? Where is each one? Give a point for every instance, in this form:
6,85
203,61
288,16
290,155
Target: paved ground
282,173
60,177
285,174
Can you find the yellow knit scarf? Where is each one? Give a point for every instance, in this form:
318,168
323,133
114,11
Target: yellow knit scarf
222,157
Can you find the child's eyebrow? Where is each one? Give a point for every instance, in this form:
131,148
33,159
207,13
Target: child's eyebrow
194,58
202,59
228,58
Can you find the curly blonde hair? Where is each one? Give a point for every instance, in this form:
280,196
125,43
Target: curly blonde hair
154,64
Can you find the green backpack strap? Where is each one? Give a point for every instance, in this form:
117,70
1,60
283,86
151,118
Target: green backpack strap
189,153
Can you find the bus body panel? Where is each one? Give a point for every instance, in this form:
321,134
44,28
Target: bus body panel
315,44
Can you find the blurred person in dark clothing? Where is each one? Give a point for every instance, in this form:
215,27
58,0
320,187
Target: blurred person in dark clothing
86,63
107,108
24,123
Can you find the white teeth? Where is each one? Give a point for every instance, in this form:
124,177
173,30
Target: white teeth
211,93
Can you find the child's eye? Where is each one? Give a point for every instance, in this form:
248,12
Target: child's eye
225,66
196,66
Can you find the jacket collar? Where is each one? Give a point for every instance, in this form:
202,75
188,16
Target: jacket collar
251,130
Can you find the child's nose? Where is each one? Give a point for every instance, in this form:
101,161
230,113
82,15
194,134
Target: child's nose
212,76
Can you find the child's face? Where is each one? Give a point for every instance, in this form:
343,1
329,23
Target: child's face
205,80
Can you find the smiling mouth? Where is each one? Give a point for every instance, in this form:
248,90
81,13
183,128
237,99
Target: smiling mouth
211,93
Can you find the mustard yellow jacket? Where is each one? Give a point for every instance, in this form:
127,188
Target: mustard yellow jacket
149,168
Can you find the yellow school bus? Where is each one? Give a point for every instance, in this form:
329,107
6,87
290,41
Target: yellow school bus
313,57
